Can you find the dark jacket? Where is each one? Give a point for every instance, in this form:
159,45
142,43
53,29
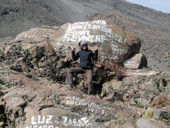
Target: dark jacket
86,58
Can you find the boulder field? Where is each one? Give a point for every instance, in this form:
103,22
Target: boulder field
33,69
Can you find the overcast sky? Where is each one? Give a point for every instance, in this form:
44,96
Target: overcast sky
160,5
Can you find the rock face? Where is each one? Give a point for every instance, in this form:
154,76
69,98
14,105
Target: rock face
137,62
33,69
148,123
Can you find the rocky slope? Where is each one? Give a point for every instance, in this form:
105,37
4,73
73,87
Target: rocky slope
33,64
33,69
150,25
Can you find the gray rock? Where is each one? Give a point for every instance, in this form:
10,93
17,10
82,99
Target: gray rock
162,114
149,123
137,62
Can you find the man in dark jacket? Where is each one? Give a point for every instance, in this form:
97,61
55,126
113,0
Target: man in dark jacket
86,65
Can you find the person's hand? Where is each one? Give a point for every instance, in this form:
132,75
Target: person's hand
72,48
96,48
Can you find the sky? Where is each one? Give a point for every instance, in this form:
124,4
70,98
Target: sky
159,5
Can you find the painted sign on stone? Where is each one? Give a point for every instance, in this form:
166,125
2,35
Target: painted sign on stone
92,107
50,121
112,52
95,31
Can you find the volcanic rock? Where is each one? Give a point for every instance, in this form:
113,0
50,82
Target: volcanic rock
33,68
137,62
41,105
149,123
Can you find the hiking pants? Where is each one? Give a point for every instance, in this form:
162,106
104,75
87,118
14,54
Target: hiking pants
79,70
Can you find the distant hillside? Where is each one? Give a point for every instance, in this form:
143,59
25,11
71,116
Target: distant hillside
153,27
19,15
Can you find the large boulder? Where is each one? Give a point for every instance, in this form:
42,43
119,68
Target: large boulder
44,52
137,62
114,41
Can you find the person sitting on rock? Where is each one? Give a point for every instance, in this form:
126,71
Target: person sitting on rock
86,66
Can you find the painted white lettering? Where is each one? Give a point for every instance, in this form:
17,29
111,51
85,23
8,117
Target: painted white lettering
68,102
75,122
89,26
70,122
65,120
102,38
71,102
68,97
102,112
103,23
33,120
66,38
69,27
80,27
98,38
91,110
48,120
73,38
86,121
96,27
80,123
41,120
84,38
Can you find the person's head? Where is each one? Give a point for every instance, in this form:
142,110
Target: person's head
84,44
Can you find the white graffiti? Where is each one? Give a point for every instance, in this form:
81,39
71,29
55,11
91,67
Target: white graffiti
147,73
112,54
49,121
130,62
76,122
13,100
92,107
136,73
117,50
42,120
42,126
81,31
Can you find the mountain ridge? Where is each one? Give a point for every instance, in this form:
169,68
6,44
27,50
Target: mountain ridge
35,12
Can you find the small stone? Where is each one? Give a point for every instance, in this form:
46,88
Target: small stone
156,114
150,123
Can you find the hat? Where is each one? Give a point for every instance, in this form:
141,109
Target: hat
84,43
